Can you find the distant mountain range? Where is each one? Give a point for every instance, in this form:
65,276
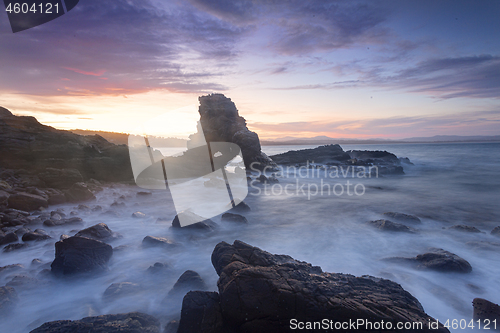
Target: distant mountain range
321,140
122,138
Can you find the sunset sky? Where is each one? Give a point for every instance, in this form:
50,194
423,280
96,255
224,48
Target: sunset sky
346,69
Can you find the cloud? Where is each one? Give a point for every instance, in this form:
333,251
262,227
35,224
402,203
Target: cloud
331,85
445,78
469,123
123,46
297,27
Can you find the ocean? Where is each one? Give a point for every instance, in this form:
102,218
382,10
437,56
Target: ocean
448,184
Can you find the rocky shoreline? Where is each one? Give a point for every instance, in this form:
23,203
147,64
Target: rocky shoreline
256,291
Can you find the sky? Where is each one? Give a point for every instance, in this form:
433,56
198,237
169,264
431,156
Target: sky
344,69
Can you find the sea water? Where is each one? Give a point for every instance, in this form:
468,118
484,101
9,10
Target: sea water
448,184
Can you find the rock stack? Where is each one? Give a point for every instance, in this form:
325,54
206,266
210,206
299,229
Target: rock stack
221,122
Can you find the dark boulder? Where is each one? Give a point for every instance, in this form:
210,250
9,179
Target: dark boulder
15,246
235,218
151,241
27,201
262,292
79,192
10,237
402,217
486,310
204,225
99,231
80,255
53,222
133,322
158,268
121,289
242,207
36,235
201,312
464,228
496,231
56,197
138,215
387,225
437,260
189,280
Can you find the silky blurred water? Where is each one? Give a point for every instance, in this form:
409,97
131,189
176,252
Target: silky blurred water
448,184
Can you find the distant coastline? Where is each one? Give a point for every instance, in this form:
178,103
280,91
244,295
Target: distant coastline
122,138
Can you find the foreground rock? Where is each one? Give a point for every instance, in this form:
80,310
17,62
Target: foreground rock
486,310
261,292
134,322
201,312
437,260
80,255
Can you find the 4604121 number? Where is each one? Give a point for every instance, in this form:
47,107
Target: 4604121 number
25,8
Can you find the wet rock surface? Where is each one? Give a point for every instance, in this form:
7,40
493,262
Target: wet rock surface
121,289
134,322
437,260
486,310
334,155
99,231
77,255
189,280
386,225
234,218
151,241
262,292
27,201
206,225
201,312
